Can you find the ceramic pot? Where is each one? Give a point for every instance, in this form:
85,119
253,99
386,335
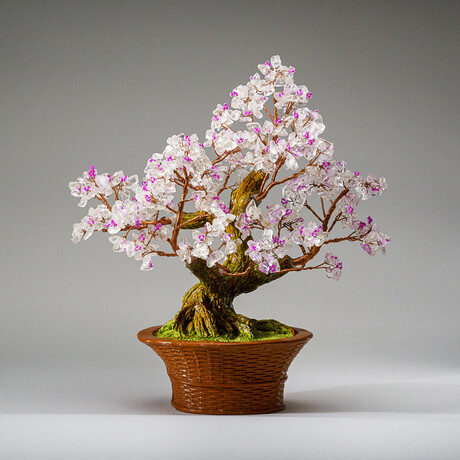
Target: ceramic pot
227,377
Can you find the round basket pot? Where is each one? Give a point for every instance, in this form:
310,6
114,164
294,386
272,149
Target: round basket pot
227,377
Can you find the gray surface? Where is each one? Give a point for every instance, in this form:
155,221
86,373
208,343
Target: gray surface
106,83
261,437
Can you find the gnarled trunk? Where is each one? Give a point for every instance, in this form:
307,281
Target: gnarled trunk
209,314
207,308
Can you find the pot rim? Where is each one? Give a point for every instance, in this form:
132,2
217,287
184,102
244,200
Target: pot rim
147,336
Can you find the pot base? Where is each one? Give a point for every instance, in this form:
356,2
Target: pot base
227,377
249,399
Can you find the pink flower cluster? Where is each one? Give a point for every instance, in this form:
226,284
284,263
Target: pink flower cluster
266,128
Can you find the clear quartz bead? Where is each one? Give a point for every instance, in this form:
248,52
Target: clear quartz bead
214,257
132,180
275,61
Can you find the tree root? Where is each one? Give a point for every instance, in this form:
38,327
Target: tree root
205,316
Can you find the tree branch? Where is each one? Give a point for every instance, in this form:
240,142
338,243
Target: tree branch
102,198
332,208
192,220
300,269
180,211
162,253
302,260
312,211
350,237
261,196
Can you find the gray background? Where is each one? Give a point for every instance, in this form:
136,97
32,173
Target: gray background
106,83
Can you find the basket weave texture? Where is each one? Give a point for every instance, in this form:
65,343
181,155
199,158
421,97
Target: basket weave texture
227,377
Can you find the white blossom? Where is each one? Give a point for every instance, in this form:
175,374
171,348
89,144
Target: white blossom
334,266
267,127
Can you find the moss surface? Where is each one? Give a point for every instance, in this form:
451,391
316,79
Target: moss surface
266,329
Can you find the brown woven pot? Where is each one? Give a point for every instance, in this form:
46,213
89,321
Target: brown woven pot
227,377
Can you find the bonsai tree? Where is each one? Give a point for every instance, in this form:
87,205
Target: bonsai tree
206,203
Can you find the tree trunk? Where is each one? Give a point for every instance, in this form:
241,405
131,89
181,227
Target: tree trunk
207,308
210,314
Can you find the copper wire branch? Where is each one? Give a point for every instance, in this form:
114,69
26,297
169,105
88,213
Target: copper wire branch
180,211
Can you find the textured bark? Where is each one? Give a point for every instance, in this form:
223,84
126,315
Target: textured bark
206,313
192,220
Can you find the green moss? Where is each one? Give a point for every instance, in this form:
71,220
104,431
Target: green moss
266,329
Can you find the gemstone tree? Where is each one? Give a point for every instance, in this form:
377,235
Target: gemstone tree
265,144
